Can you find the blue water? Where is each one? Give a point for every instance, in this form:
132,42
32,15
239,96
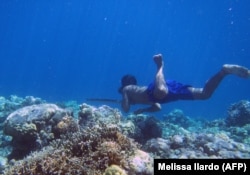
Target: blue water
75,49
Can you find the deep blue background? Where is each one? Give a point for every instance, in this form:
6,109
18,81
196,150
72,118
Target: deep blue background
74,49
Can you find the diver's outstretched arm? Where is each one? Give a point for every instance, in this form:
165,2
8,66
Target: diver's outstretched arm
153,108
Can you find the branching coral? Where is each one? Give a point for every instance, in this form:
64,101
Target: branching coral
88,151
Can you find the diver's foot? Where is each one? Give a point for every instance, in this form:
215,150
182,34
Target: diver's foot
236,70
158,60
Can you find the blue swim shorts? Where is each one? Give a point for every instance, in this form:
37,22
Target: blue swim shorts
176,91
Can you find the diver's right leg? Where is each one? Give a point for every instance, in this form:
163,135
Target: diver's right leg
160,90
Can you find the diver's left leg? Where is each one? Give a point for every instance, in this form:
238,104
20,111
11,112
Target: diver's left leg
209,88
237,70
213,82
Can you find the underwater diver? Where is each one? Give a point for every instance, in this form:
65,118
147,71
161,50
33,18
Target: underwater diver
164,91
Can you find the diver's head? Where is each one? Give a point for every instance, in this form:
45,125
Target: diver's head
127,80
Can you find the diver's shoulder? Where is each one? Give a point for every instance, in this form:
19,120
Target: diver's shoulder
134,88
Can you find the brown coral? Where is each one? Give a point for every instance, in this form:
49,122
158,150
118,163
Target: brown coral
88,151
114,170
67,124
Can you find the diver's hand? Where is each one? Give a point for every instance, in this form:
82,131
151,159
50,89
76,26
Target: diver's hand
139,111
153,108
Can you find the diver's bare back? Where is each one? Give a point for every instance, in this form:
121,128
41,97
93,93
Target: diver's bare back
137,94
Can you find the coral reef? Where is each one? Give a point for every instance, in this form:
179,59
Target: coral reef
114,170
239,114
89,116
98,147
49,140
210,139
3,163
72,106
128,128
197,146
88,151
34,126
146,127
177,116
157,146
141,163
8,105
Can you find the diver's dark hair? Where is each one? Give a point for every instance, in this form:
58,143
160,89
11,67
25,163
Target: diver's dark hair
127,80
